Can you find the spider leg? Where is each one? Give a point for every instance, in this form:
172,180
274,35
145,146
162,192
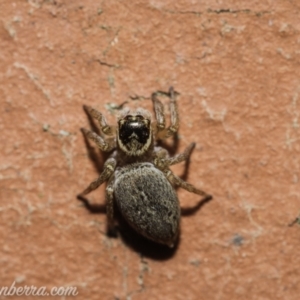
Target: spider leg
173,128
108,170
162,131
105,128
185,156
160,158
109,197
159,113
175,180
103,144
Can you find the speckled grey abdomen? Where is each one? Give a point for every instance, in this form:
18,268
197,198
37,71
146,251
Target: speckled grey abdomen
148,202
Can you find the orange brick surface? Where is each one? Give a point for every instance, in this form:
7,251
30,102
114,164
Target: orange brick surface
236,67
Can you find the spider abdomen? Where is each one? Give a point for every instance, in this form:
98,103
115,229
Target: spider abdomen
148,202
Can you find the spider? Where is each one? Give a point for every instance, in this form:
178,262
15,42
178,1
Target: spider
138,172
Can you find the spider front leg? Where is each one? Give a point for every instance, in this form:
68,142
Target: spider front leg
104,145
174,114
159,113
162,132
105,128
109,168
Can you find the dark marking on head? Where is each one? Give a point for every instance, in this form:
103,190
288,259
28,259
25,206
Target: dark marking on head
134,134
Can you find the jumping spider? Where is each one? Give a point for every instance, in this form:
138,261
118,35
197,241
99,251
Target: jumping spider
137,172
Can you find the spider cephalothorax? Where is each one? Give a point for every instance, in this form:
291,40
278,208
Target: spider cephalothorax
138,174
134,134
